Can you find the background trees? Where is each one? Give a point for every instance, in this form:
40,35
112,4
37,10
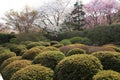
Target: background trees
22,21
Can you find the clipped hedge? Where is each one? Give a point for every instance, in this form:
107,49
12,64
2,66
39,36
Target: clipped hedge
18,49
65,42
76,51
77,67
6,55
10,69
110,60
4,38
8,61
33,44
31,53
107,75
81,40
51,48
49,59
33,72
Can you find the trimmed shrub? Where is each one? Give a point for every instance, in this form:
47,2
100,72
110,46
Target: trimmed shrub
6,55
76,51
115,47
107,75
33,72
4,38
33,44
51,48
58,45
65,49
49,58
65,42
10,69
81,40
54,42
109,60
77,67
18,49
8,61
13,40
40,47
92,49
31,53
3,49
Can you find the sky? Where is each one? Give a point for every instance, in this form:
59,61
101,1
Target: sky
6,5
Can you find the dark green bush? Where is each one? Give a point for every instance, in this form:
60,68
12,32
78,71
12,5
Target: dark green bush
81,40
77,67
107,75
58,45
103,34
49,58
31,36
31,53
4,38
6,55
110,60
33,44
8,61
65,42
18,49
13,40
33,72
76,51
10,69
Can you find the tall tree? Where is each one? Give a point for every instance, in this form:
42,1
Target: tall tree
22,21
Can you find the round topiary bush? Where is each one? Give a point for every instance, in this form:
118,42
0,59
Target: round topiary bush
18,49
49,59
6,55
110,60
76,51
8,61
31,53
77,67
33,72
10,69
65,42
107,75
40,47
51,48
33,44
82,40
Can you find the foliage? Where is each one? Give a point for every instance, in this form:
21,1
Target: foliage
33,72
92,49
49,58
67,48
110,60
51,48
65,42
31,53
81,40
104,34
6,55
33,44
79,66
34,36
76,51
4,38
107,75
8,61
13,40
10,69
18,49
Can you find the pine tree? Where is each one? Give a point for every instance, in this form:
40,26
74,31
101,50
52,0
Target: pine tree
77,16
